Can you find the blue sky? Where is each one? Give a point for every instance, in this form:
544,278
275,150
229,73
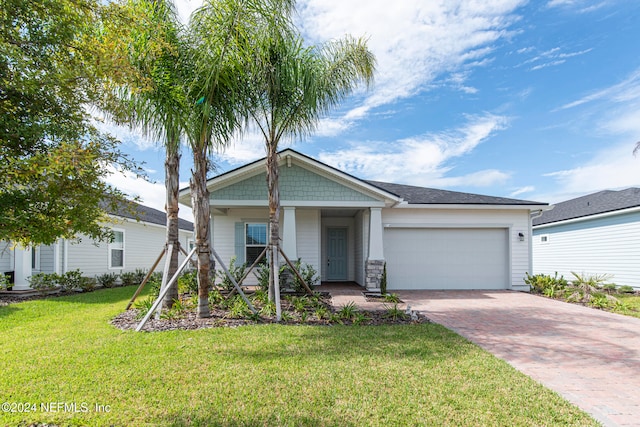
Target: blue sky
538,100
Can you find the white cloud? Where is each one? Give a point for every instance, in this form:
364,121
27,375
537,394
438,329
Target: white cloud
626,90
552,57
581,6
152,194
421,160
522,190
414,41
612,168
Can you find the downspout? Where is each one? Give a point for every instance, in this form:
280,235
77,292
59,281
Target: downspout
532,216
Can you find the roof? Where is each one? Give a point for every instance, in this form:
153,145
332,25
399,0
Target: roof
410,194
591,204
431,196
142,213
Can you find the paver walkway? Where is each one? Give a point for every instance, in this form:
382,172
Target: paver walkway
590,357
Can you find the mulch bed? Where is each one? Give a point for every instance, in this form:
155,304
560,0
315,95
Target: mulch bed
6,298
220,318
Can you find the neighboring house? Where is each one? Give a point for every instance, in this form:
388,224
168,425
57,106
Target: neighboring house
594,234
347,228
139,237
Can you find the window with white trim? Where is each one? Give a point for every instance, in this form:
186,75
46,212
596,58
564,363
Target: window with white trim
255,241
35,258
116,249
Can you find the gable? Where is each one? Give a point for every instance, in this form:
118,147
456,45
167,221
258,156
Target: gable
296,184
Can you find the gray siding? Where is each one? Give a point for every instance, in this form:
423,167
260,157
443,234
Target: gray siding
46,258
609,245
142,245
6,257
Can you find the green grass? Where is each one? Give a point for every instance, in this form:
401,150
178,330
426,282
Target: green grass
632,302
65,350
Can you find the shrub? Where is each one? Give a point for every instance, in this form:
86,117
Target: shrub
321,312
44,282
87,284
391,298
143,306
394,313
4,281
262,274
215,297
540,282
348,311
154,283
589,283
238,308
300,304
188,282
108,280
71,280
626,289
236,271
306,271
383,280
269,309
129,279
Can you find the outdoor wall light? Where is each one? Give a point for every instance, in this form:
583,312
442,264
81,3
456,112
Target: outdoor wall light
521,237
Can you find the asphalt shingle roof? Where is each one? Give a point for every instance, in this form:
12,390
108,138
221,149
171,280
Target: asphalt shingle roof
147,214
431,196
591,204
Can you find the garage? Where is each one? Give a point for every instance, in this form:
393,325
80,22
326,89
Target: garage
447,258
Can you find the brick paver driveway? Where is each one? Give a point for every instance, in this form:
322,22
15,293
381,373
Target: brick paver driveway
590,357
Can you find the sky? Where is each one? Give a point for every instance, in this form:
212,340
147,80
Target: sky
535,100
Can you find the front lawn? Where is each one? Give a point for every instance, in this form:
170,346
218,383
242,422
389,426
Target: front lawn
63,358
630,306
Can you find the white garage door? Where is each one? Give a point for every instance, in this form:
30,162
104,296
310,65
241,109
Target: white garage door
451,258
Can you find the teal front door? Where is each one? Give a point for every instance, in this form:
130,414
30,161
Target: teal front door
337,254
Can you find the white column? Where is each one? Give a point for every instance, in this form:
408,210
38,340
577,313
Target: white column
56,257
22,266
376,250
289,245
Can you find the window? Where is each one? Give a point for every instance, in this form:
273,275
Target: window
544,238
255,241
116,250
35,258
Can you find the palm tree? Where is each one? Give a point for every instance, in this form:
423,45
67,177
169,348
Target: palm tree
223,33
156,103
292,87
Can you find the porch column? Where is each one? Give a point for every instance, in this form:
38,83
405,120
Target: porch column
22,267
56,257
375,262
375,234
289,245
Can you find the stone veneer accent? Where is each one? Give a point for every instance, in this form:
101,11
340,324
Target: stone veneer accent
373,273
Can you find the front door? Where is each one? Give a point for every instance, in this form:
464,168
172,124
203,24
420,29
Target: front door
337,254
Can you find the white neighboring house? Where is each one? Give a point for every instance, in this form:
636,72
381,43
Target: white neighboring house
595,234
348,228
139,237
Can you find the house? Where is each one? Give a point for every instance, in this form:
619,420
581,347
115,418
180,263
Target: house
594,234
348,228
139,237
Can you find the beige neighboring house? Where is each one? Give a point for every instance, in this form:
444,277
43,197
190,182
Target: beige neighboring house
348,228
139,238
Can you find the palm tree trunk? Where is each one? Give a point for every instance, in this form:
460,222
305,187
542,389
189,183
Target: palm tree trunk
274,225
172,185
201,215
